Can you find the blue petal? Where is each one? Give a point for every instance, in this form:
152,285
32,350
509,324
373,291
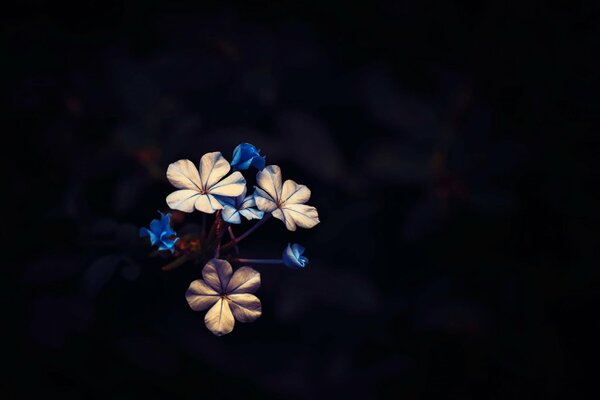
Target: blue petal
167,244
226,201
291,256
303,261
245,164
160,232
246,155
237,155
231,215
144,232
252,213
258,162
297,250
165,219
156,226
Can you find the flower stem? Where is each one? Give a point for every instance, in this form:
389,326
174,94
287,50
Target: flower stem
232,237
256,261
213,228
247,233
218,233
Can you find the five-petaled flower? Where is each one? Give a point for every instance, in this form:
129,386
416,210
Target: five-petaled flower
161,233
199,187
227,294
246,155
293,258
234,207
285,201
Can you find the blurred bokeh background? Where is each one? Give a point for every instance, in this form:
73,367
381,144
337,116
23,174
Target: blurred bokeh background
445,147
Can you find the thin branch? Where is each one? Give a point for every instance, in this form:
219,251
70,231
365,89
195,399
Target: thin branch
219,231
232,237
256,261
247,233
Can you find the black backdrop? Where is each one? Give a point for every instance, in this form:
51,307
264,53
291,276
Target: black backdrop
447,151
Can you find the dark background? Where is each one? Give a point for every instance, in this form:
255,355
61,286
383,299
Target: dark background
448,150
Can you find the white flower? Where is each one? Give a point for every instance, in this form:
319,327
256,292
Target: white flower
228,297
285,201
198,188
234,207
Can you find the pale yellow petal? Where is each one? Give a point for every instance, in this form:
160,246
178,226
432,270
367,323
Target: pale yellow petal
212,168
183,175
216,274
294,193
200,296
232,186
264,201
244,280
269,180
245,307
304,216
207,204
219,319
183,200
286,218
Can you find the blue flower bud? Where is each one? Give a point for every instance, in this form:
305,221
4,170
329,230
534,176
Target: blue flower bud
246,155
161,233
292,256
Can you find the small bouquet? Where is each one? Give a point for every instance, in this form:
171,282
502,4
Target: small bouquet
228,294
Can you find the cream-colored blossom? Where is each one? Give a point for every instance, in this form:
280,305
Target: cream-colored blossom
227,294
284,200
199,188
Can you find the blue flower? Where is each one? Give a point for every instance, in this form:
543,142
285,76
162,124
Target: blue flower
235,207
292,256
161,233
246,155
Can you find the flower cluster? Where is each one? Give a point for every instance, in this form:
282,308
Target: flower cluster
211,189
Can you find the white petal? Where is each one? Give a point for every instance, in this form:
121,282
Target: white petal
252,213
240,199
183,175
245,307
287,219
269,180
294,193
247,202
248,208
216,274
304,216
231,186
212,168
219,319
200,296
207,203
231,215
183,200
264,201
244,280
